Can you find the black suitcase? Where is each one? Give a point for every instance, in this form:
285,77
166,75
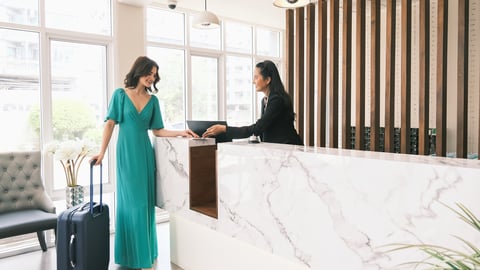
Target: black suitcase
83,234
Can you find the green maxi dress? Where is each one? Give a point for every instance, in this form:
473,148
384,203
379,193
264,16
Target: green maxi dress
135,231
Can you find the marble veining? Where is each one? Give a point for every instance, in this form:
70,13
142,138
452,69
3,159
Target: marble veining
327,208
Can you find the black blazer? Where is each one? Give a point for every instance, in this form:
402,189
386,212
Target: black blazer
275,125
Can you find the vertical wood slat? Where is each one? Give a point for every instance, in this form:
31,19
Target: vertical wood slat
390,76
347,74
360,75
310,77
333,95
441,91
406,76
462,79
300,70
424,89
322,73
375,19
290,50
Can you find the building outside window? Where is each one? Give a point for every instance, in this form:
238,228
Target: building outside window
53,85
208,71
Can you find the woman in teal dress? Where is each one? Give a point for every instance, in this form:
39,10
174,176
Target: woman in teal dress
136,111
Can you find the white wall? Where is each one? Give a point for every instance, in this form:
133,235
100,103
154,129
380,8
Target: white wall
129,34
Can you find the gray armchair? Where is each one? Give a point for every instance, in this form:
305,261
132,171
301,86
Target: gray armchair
25,207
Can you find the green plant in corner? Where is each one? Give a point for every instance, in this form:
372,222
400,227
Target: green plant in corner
444,258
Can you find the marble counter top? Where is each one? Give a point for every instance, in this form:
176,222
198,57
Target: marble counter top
328,208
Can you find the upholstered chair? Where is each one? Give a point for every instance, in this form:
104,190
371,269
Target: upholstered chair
25,207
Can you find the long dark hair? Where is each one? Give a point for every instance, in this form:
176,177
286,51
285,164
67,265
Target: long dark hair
268,69
141,67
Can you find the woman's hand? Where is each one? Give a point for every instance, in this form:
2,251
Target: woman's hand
97,158
174,133
188,133
214,130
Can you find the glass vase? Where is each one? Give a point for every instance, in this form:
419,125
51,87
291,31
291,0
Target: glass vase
74,195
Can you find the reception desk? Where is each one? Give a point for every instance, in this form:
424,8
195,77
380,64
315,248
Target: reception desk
296,208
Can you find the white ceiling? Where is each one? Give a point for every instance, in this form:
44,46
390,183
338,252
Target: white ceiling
260,12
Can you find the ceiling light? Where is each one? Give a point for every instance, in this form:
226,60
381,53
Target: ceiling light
206,20
290,3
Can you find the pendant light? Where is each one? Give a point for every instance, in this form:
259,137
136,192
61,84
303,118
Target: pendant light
290,3
206,20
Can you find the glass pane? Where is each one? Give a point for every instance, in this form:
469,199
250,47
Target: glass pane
78,105
165,26
90,16
204,88
239,90
19,90
204,38
238,37
21,12
171,88
268,42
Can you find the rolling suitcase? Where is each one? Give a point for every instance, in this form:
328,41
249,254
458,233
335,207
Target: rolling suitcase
83,234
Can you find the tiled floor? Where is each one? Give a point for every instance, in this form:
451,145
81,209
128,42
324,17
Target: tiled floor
39,260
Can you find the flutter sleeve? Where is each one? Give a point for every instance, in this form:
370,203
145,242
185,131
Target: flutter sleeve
115,107
156,122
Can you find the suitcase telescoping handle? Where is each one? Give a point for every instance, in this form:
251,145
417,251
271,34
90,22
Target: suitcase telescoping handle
92,163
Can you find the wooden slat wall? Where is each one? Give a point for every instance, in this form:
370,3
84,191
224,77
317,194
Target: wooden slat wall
390,75
300,69
309,138
360,75
441,108
424,95
347,74
301,55
322,73
406,76
333,104
290,49
462,82
375,19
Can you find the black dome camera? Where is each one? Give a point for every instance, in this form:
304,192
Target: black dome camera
172,4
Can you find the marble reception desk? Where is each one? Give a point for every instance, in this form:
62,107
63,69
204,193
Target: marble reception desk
314,208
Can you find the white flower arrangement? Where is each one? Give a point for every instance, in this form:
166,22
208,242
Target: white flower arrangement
70,154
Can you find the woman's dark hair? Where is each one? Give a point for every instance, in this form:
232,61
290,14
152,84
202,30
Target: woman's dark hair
268,69
141,67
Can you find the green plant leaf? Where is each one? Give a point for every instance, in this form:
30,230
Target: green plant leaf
444,258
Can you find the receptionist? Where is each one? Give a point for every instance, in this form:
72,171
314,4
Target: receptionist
276,122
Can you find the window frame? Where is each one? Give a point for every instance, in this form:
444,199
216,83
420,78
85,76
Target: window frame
46,36
221,55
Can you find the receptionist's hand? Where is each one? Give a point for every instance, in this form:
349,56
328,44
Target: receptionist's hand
214,130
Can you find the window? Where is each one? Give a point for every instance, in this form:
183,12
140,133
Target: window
213,67
52,86
171,87
164,26
204,88
238,37
268,42
88,16
239,90
78,87
19,90
19,12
